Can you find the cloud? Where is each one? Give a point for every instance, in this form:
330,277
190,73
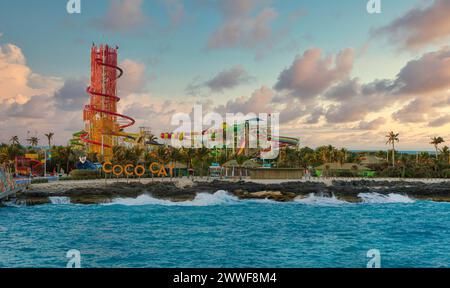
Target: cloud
224,80
38,106
258,102
134,79
312,74
127,16
372,125
420,86
315,115
33,102
122,16
17,81
419,27
228,79
416,111
347,112
429,73
440,121
175,9
72,96
346,90
246,24
155,114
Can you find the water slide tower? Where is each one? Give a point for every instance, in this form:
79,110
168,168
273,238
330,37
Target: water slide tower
103,124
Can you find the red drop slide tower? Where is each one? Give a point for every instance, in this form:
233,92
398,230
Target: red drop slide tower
103,125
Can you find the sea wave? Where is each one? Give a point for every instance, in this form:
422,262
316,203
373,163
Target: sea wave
317,200
202,199
224,198
377,198
60,200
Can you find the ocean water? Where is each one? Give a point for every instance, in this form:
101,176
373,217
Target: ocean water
220,231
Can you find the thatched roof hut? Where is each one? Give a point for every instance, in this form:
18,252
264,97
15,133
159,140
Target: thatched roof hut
251,164
344,166
231,164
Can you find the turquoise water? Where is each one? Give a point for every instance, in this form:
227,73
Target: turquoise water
220,231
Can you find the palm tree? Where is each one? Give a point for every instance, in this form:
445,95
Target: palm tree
163,154
392,138
68,151
4,155
435,141
342,156
14,140
49,138
59,155
201,156
445,152
33,141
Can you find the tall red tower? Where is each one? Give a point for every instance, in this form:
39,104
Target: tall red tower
102,122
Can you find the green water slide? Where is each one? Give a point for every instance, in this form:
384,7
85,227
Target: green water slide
76,140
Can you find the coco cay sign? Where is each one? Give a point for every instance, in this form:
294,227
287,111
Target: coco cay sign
157,169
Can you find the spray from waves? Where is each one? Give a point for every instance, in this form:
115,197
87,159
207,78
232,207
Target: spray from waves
316,200
376,198
202,199
60,200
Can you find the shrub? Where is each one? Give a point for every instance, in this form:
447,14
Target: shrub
391,172
39,181
446,173
84,174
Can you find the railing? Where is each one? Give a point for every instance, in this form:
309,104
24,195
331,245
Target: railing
7,184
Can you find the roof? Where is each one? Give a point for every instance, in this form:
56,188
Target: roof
231,163
344,166
370,159
251,164
179,165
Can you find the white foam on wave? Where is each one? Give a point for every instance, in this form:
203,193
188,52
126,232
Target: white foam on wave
60,200
202,199
316,200
376,198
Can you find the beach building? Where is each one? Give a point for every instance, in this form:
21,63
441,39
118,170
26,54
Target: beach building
276,173
344,170
368,160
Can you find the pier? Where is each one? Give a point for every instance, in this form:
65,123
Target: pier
7,194
10,186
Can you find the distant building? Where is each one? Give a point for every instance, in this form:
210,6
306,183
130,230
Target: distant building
367,160
344,170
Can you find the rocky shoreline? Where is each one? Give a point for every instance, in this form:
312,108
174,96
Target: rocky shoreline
177,191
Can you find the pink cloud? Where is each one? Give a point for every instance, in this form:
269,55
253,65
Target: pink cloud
312,74
240,28
122,15
420,27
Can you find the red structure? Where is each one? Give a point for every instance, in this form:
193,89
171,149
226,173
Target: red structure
26,166
103,125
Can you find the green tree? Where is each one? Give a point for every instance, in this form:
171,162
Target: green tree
436,141
392,138
15,140
33,141
49,138
445,154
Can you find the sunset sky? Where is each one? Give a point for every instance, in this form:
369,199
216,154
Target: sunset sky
336,74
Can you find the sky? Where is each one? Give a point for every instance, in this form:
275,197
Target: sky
336,74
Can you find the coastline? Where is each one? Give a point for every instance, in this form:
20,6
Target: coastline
179,190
